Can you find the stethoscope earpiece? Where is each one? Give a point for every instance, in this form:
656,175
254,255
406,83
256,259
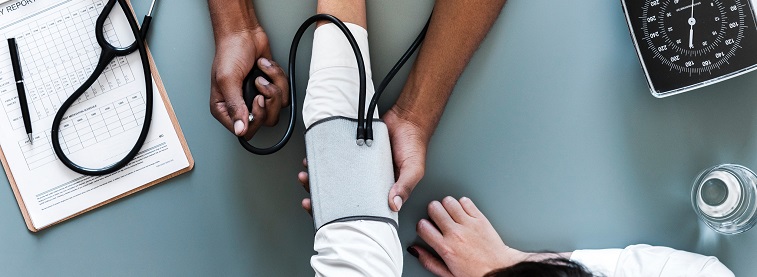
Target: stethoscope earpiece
108,54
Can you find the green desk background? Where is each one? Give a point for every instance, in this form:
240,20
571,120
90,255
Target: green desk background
551,131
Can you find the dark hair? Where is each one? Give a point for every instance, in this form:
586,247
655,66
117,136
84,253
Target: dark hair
556,267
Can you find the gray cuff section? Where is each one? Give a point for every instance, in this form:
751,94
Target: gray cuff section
347,181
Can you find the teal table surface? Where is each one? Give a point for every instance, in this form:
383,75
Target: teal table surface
551,130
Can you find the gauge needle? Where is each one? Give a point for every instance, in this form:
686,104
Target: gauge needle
692,21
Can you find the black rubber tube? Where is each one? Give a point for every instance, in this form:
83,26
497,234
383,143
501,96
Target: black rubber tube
389,76
108,53
364,131
293,89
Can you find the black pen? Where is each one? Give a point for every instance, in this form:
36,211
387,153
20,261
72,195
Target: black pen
20,87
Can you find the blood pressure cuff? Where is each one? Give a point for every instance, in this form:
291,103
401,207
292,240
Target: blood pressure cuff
349,182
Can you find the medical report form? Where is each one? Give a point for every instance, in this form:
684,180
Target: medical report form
58,50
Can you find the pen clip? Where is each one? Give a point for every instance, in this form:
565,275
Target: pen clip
15,59
20,64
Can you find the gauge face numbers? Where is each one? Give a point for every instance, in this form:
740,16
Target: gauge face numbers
696,36
688,44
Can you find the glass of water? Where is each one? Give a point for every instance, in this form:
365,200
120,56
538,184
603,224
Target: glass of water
724,198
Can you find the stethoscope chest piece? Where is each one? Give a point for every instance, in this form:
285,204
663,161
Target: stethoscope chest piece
110,52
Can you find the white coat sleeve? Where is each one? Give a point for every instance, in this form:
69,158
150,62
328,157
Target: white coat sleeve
357,248
646,260
334,84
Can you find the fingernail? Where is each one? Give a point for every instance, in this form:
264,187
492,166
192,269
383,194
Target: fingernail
263,81
265,62
397,202
238,127
412,251
261,101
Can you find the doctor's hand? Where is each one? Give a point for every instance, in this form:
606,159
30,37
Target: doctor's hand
409,144
235,56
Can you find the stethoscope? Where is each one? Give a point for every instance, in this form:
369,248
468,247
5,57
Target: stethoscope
110,52
364,133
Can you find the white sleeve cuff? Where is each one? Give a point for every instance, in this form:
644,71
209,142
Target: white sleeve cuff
602,261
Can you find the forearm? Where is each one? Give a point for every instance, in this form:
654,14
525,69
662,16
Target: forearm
232,16
456,30
356,232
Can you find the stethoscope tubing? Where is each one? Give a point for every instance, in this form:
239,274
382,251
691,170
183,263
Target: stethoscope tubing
388,78
293,90
108,53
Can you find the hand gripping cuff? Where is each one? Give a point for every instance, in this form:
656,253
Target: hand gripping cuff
348,182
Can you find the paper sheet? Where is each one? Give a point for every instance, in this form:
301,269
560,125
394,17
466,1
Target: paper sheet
58,49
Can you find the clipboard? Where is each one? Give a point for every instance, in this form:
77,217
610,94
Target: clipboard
176,127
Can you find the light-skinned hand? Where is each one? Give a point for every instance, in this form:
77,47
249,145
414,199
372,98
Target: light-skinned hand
464,239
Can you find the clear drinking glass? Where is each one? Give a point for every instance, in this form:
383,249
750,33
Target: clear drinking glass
724,198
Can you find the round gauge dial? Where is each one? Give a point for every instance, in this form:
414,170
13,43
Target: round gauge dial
696,36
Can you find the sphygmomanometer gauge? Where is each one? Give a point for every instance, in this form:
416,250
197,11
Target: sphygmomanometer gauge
688,44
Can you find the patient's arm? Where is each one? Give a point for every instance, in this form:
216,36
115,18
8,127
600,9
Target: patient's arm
352,11
334,84
356,232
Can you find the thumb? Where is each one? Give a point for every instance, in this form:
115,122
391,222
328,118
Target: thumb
410,173
231,88
430,262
